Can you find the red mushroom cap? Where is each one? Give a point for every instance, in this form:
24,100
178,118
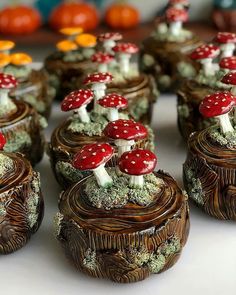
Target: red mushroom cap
205,51
76,99
137,162
2,141
98,78
109,36
229,78
125,129
228,63
225,37
113,100
7,81
217,104
183,2
102,58
175,14
92,156
129,48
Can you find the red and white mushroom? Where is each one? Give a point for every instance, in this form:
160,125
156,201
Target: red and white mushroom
109,40
180,4
124,52
226,42
175,17
228,63
113,102
77,101
2,141
124,133
137,163
205,55
102,59
230,79
219,105
94,157
98,82
7,82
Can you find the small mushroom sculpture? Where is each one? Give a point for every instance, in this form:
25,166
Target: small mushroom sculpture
205,54
228,64
175,17
6,46
108,41
98,82
103,60
124,52
86,42
93,157
125,133
137,163
77,101
230,79
66,46
226,43
113,102
179,4
218,105
7,82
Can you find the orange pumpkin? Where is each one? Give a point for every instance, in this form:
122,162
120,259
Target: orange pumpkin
19,19
121,16
73,14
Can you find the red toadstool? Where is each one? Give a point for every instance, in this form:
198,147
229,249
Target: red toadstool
2,141
219,105
205,55
226,42
7,82
175,17
102,59
230,79
228,63
78,101
180,4
137,163
114,102
124,133
124,52
109,40
94,157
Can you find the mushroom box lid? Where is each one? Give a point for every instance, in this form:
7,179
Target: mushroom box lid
76,99
98,78
113,100
125,129
92,156
137,162
217,104
205,51
7,81
228,63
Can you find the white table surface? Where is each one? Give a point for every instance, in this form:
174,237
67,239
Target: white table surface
208,261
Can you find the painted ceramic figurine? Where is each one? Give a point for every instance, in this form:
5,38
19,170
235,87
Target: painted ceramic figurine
33,85
207,81
20,123
122,223
105,122
210,167
21,202
165,53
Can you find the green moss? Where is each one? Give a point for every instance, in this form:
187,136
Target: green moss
7,109
166,36
89,260
164,81
156,263
2,210
183,111
171,247
18,141
186,69
119,194
33,201
69,172
54,81
32,100
18,71
88,52
212,81
151,138
120,78
57,224
194,186
148,60
139,108
6,165
73,56
43,122
228,140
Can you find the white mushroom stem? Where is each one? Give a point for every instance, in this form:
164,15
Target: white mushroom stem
124,60
227,50
102,68
136,181
82,114
99,92
207,66
108,45
113,114
102,177
123,145
175,28
4,97
225,123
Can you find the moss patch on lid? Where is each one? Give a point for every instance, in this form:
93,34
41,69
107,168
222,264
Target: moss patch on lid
6,165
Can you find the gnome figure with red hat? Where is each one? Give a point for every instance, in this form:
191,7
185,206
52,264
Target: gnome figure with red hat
210,167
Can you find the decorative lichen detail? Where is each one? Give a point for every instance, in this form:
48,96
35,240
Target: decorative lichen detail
31,99
163,34
17,71
186,69
6,165
69,172
9,108
33,201
139,108
195,190
228,139
57,224
89,260
119,194
18,141
183,111
2,209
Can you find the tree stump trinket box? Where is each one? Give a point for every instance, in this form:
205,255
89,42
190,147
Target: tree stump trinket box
207,81
210,167
20,123
165,54
122,223
21,202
